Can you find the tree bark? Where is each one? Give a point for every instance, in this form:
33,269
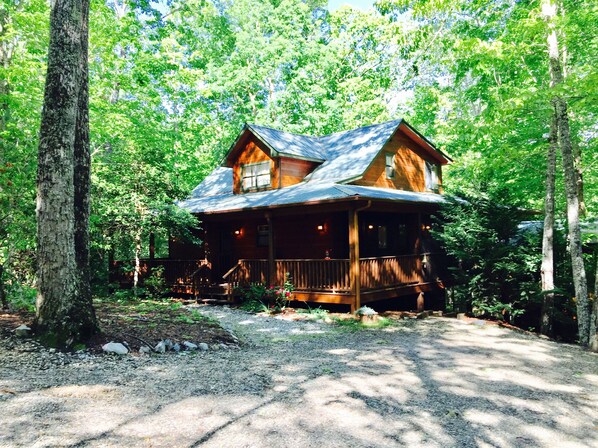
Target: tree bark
594,315
547,270
571,180
57,315
82,186
3,299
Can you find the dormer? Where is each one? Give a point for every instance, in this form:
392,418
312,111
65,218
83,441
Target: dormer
266,159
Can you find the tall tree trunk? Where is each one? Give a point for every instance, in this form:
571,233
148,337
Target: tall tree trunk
571,180
547,270
3,299
57,316
594,315
82,182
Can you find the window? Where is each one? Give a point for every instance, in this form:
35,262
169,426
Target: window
390,165
255,176
382,237
431,176
263,232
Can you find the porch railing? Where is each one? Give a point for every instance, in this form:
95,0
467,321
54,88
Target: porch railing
333,275
176,272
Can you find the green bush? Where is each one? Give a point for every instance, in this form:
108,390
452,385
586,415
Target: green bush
258,297
493,265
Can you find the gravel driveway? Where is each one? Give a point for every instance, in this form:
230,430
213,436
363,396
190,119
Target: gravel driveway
432,383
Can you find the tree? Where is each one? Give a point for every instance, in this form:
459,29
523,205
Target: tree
547,268
61,315
571,175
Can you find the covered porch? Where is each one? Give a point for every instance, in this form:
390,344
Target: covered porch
351,253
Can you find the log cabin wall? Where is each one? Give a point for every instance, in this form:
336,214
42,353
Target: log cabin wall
254,151
293,171
409,162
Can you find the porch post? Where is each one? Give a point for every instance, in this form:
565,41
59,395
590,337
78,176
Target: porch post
354,271
271,261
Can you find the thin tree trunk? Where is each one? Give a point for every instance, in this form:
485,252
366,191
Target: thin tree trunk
594,315
571,181
82,182
547,270
137,261
3,298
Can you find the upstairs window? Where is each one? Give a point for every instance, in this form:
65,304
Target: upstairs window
390,165
431,176
255,176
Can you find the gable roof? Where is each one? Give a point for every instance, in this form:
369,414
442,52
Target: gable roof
344,157
287,144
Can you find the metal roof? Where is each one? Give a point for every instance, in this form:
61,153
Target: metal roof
350,153
294,145
218,182
302,193
345,156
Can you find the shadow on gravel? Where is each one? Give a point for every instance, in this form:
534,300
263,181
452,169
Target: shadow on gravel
435,383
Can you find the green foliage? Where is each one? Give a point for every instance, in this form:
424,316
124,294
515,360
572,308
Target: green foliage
494,266
274,299
155,284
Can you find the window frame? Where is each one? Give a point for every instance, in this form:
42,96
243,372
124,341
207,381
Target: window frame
390,166
255,175
431,176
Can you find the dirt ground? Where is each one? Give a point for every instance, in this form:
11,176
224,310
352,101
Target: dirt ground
436,382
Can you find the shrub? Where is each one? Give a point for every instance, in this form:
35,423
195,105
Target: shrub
493,265
273,298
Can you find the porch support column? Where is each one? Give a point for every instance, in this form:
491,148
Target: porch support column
271,261
354,271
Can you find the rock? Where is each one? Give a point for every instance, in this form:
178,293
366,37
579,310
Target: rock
176,347
461,316
22,331
437,313
203,347
160,347
145,350
115,347
168,344
190,345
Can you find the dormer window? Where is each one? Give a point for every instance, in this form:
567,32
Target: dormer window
255,176
390,165
431,176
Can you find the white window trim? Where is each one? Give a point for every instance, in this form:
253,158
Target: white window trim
256,177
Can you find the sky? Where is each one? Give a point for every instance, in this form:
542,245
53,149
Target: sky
360,4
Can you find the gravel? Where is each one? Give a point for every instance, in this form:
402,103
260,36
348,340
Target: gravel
435,382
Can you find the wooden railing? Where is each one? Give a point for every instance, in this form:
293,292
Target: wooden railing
377,273
176,272
333,275
315,275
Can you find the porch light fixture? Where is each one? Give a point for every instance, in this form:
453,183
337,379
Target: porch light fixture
237,232
321,228
371,226
426,227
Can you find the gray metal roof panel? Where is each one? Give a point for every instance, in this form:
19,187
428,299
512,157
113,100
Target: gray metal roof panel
302,193
350,153
285,143
218,182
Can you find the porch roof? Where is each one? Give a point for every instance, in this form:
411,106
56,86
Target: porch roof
306,193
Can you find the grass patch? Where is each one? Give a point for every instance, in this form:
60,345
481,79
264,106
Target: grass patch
357,325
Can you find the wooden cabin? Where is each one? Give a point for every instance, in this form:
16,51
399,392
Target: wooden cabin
346,215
